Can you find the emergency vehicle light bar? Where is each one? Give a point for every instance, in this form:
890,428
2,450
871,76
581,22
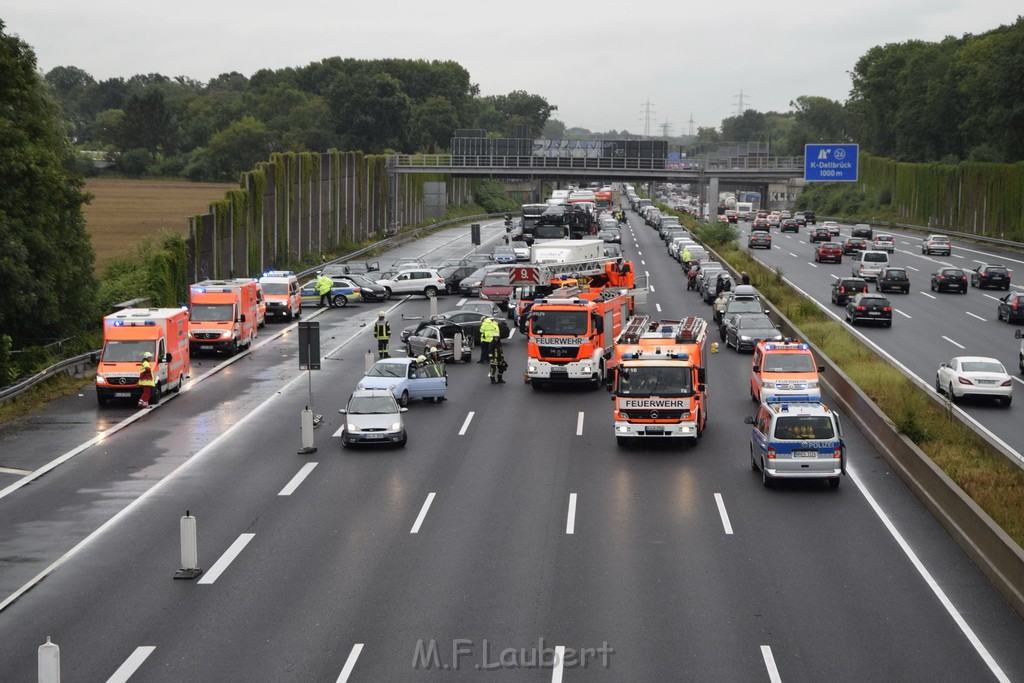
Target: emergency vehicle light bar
131,323
791,399
787,347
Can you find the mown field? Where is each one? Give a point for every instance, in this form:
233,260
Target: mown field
124,210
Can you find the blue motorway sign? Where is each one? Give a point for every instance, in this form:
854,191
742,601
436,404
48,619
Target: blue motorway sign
831,162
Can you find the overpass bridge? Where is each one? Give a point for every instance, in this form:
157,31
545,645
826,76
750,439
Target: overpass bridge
761,171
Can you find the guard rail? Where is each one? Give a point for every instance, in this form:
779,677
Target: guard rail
983,239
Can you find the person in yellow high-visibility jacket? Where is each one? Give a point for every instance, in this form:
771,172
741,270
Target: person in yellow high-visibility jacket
146,379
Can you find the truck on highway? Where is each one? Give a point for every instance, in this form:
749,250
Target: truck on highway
659,380
223,315
132,332
564,251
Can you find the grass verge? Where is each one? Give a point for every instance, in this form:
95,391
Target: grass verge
35,398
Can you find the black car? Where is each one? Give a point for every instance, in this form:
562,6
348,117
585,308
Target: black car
789,224
821,234
846,287
453,275
1011,308
370,290
862,230
744,330
810,217
469,321
949,280
873,308
759,238
799,218
990,275
893,279
851,245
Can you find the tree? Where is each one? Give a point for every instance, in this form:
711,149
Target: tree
554,130
748,127
501,113
371,113
146,123
432,123
46,260
238,148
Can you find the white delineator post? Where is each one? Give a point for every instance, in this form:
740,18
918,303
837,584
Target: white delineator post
49,662
189,548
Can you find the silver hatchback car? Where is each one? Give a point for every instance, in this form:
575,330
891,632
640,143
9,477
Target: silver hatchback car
372,416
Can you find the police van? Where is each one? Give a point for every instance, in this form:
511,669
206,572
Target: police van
797,439
784,370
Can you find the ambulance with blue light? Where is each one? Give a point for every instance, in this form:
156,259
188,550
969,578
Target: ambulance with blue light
784,369
223,315
281,292
659,380
132,332
795,438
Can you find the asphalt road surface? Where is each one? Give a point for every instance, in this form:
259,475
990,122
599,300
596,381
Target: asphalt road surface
510,540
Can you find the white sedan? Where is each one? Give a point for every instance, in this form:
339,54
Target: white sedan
974,376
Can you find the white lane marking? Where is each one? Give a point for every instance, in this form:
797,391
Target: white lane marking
579,424
833,276
13,470
777,247
932,583
652,289
638,252
769,663
974,316
722,512
953,342
812,265
643,263
570,522
460,302
556,672
959,256
901,313
298,479
465,425
226,559
350,663
916,270
658,306
928,295
977,261
793,255
512,333
994,298
132,664
423,513
647,273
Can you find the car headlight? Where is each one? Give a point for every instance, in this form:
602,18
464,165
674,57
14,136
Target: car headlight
395,426
226,334
744,337
352,427
360,386
767,384
100,379
585,367
812,384
532,368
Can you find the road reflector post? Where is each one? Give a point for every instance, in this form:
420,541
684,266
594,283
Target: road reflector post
307,433
189,549
367,362
49,662
474,233
433,305
457,351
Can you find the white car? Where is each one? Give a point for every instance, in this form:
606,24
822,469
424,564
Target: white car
833,228
974,376
426,281
884,242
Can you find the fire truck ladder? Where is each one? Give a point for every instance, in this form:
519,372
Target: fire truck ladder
686,331
545,272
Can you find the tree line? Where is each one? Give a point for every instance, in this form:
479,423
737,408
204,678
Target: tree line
152,124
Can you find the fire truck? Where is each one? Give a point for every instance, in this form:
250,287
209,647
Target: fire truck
659,380
571,331
127,335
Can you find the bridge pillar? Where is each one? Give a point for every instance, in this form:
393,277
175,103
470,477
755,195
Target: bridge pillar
712,199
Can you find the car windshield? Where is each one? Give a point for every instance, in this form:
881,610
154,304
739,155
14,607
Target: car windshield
550,232
788,362
753,323
982,366
744,306
939,239
372,405
654,381
952,272
802,427
495,279
125,351
210,312
275,287
503,250
387,370
559,322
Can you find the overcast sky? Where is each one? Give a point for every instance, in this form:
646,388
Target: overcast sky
599,62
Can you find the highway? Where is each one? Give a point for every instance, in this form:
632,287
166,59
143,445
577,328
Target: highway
928,327
510,530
